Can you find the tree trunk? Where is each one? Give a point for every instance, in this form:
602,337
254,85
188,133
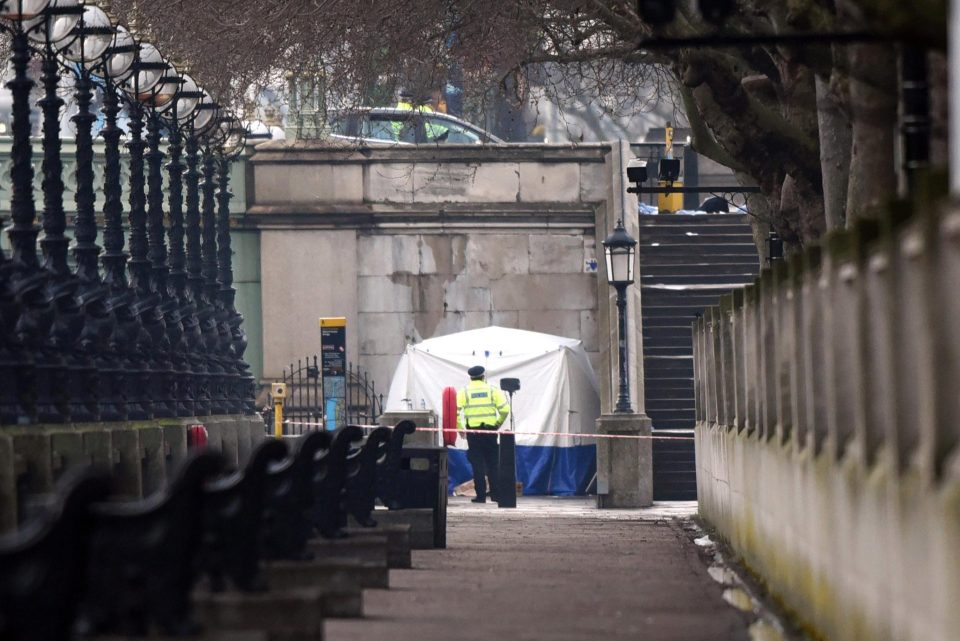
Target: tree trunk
835,142
873,108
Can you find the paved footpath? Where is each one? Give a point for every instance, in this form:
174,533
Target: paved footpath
553,569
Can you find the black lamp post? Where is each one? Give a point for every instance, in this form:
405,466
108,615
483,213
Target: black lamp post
100,387
620,250
27,312
146,71
201,130
170,347
50,31
117,68
176,115
242,399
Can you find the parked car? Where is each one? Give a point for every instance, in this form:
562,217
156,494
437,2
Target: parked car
380,125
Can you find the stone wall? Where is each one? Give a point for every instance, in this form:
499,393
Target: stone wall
828,437
140,455
413,243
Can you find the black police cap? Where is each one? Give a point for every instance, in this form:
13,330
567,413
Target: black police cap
475,371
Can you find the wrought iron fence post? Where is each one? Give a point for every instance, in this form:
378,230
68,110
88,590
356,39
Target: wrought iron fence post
189,343
245,395
146,304
55,246
168,405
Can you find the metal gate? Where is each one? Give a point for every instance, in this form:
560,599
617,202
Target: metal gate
303,408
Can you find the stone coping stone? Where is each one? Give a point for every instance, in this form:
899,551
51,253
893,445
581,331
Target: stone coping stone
328,574
294,614
206,635
372,547
398,541
420,521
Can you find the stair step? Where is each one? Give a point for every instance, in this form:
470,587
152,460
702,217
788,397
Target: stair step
692,269
673,424
721,281
693,220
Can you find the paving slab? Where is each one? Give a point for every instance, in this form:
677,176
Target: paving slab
557,569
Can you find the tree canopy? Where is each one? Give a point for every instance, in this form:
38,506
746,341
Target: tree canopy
812,124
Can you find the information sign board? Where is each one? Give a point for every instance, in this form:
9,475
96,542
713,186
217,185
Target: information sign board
333,369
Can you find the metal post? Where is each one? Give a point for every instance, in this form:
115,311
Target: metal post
623,400
203,276
915,125
29,283
99,395
189,343
62,284
245,396
167,345
146,303
507,483
224,379
278,417
114,259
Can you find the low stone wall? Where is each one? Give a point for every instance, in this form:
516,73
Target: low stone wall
141,455
828,430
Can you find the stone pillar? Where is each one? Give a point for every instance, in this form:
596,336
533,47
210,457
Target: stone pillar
624,466
153,457
8,486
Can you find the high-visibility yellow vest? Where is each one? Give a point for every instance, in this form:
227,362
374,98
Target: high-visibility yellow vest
480,403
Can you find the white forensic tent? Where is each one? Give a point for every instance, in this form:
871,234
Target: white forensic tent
559,395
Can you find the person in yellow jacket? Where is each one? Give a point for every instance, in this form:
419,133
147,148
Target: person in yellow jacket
482,407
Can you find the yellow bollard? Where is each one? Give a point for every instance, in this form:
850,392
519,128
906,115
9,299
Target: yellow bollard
279,393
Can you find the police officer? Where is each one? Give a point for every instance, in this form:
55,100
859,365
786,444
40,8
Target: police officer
481,406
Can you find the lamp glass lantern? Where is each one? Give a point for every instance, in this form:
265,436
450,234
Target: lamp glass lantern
118,64
56,23
96,34
621,251
163,93
188,99
148,74
234,136
21,10
204,114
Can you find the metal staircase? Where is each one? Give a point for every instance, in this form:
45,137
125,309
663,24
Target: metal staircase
686,263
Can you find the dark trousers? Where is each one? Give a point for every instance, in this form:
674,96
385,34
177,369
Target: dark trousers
483,452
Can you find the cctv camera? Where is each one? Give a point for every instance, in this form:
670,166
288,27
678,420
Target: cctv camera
637,171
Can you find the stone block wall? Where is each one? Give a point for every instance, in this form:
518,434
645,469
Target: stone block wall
413,243
142,456
828,430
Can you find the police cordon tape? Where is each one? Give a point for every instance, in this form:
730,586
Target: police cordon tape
497,432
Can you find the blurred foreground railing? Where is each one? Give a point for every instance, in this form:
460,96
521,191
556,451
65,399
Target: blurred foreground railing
828,423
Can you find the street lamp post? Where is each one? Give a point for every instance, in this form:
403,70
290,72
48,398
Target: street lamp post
28,313
620,250
176,114
241,398
49,30
169,347
99,391
117,67
147,69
